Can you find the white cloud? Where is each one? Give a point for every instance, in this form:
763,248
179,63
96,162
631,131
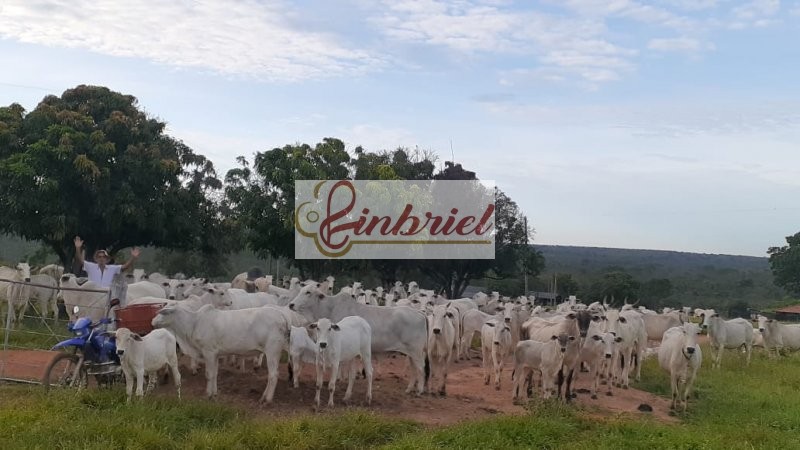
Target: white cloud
755,13
247,37
568,47
681,44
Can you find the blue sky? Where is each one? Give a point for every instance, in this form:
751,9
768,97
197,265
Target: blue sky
670,124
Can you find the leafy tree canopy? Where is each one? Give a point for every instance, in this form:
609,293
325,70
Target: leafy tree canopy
91,163
785,264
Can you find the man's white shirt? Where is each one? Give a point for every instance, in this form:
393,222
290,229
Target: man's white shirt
101,277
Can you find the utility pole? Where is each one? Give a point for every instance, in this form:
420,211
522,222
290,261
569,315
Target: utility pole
525,263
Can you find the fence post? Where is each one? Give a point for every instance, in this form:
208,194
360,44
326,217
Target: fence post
9,320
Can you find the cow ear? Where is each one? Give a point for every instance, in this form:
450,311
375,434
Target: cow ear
136,337
335,327
596,337
715,315
507,329
769,320
623,320
553,337
571,316
450,315
617,339
498,308
313,326
490,324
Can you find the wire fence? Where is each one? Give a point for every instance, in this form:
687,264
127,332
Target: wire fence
36,320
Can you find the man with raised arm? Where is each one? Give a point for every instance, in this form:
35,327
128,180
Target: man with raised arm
99,271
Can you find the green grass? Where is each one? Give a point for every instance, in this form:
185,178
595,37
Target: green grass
737,407
32,333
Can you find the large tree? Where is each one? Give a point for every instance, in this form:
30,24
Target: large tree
261,197
91,163
785,264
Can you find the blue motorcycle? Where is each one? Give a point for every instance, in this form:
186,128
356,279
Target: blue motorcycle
92,352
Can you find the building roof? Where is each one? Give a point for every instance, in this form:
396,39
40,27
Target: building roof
794,309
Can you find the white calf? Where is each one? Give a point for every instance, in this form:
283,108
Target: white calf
680,355
544,357
496,343
597,351
338,343
147,355
441,339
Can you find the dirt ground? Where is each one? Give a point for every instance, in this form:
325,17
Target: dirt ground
468,398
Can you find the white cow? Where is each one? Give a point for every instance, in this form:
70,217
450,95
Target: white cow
16,295
496,343
302,349
629,326
338,343
472,322
54,270
778,336
542,330
681,356
45,296
657,324
544,357
145,289
210,333
241,299
441,340
397,329
147,355
729,334
90,304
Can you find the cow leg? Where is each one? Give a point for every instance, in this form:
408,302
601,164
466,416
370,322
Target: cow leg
333,379
351,377
674,387
320,375
212,365
594,373
486,359
273,356
368,370
568,389
418,363
294,370
497,363
749,352
176,375
129,381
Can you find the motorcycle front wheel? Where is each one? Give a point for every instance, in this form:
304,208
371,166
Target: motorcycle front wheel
63,372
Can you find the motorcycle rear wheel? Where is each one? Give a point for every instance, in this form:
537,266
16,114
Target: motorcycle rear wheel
60,373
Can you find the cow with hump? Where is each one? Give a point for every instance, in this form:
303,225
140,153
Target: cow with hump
398,329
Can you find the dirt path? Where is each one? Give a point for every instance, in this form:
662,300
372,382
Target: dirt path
468,398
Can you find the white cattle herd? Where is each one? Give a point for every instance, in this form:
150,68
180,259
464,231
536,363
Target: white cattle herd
542,348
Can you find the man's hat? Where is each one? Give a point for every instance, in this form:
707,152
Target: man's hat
100,252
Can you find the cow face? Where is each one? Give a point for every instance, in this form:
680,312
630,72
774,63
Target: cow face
706,315
125,338
24,271
324,328
690,332
609,342
439,319
563,340
762,323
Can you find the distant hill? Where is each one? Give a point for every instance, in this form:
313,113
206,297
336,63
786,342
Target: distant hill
696,279
653,263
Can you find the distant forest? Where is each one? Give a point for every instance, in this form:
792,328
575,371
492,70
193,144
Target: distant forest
730,284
